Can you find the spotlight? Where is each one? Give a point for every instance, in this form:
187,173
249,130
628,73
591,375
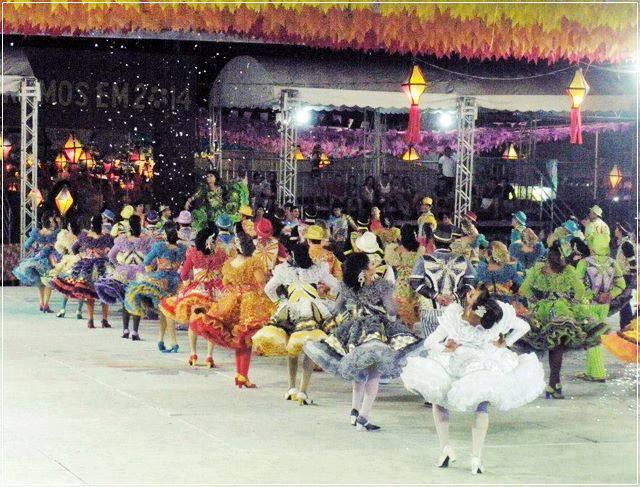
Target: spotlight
616,198
302,116
445,120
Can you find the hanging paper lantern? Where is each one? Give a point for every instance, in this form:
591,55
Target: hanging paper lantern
134,157
615,177
117,163
7,147
87,161
298,155
12,187
324,161
60,162
72,149
577,91
414,87
510,153
106,166
64,200
411,155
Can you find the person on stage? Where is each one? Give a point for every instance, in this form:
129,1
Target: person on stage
558,315
441,278
159,280
268,248
122,227
300,315
31,270
367,342
208,201
499,273
64,243
604,281
201,276
528,250
403,257
240,310
626,258
79,282
468,367
126,256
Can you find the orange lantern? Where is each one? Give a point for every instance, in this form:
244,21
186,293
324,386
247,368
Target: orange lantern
72,150
510,154
577,91
64,200
615,177
87,161
7,147
414,87
60,162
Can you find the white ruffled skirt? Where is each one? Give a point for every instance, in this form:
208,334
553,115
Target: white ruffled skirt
463,379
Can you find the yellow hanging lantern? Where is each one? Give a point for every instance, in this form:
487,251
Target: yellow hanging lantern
72,149
411,155
64,200
60,162
577,91
510,154
324,161
615,177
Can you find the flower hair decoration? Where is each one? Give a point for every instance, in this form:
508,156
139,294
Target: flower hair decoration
480,311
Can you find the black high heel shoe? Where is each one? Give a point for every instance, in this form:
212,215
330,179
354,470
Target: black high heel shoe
353,416
552,392
362,424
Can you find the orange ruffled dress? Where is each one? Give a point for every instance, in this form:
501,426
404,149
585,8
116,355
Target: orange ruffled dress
240,310
198,292
624,344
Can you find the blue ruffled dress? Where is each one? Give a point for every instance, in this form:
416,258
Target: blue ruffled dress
31,269
367,335
147,290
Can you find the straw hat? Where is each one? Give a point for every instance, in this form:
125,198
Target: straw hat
368,243
315,232
184,218
127,211
246,210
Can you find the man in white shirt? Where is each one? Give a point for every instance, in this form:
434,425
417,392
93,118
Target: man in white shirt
448,169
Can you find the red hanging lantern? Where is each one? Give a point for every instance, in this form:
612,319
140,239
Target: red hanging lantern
414,87
72,150
7,147
577,91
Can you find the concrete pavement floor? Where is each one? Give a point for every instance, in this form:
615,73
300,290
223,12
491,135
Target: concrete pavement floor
86,407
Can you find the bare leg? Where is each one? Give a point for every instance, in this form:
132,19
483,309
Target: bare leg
307,370
163,327
41,292
193,342
171,328
292,366
105,312
357,395
370,393
46,296
91,305
209,349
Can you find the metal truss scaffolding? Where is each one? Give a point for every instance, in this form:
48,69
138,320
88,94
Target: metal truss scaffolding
287,171
215,138
29,99
467,114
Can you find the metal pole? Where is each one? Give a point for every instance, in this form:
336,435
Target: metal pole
595,166
467,114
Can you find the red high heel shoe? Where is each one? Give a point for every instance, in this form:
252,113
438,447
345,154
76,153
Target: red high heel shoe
209,362
193,360
242,381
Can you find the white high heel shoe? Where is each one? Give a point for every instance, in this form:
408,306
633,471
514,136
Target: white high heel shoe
476,466
291,394
446,457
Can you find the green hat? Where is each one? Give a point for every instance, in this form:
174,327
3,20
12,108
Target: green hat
596,210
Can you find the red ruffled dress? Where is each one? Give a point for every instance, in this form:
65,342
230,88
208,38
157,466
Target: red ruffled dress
201,277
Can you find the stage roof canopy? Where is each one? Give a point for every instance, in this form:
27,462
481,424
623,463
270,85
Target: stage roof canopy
15,67
256,82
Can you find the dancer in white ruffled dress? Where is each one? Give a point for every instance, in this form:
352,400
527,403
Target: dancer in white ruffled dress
468,366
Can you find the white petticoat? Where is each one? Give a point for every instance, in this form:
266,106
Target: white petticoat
463,379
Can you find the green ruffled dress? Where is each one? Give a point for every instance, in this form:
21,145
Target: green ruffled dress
212,204
560,310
